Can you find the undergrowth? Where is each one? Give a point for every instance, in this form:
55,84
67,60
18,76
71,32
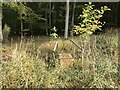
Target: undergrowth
26,64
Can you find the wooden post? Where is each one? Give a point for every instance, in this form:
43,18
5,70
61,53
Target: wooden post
54,49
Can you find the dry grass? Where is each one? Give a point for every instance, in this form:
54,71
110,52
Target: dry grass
29,63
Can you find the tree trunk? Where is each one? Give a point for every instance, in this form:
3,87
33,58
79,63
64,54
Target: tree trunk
73,11
46,23
1,36
31,29
116,10
66,20
53,14
50,17
21,27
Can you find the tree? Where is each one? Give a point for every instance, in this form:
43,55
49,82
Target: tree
1,36
21,10
46,23
50,16
90,19
66,20
116,11
24,14
73,12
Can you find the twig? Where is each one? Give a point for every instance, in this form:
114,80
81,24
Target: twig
75,44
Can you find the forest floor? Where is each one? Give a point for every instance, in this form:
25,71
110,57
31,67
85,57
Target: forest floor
90,61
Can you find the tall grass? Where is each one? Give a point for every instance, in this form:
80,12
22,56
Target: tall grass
25,64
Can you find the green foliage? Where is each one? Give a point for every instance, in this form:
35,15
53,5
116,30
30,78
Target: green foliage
90,19
33,15
54,35
24,13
